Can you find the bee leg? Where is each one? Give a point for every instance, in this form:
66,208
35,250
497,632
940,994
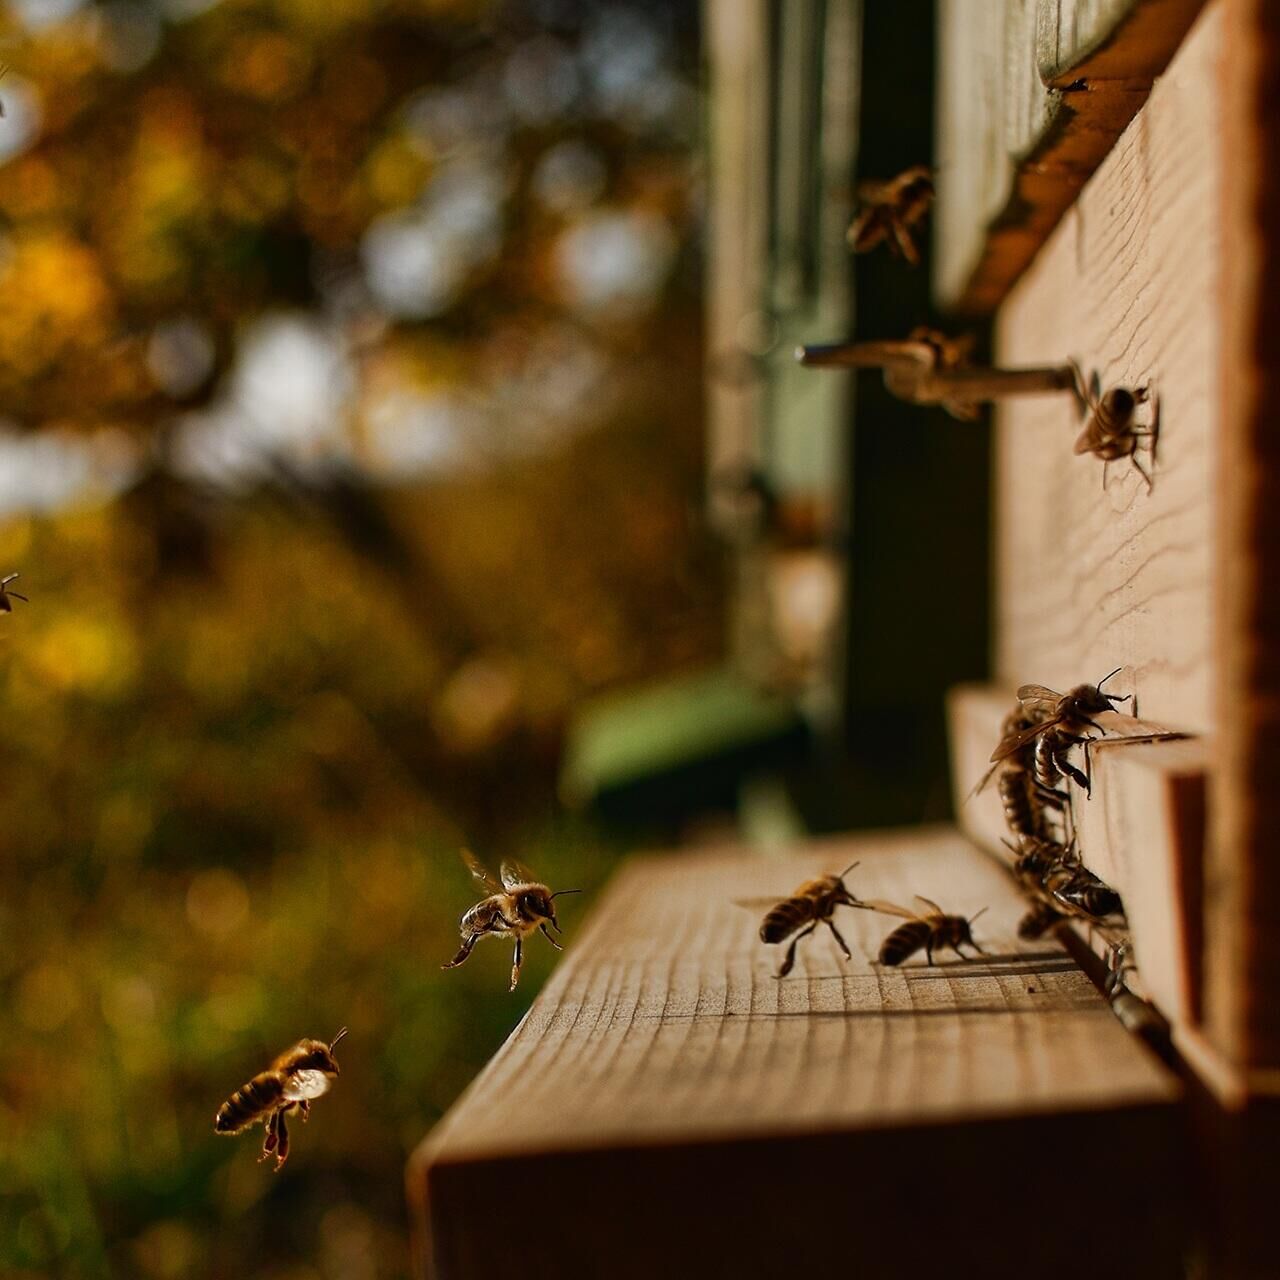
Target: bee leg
549,938
906,244
463,952
282,1151
1133,457
272,1136
304,1109
515,968
1106,462
17,595
844,946
928,951
790,958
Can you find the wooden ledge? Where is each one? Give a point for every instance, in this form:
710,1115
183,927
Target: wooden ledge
668,1105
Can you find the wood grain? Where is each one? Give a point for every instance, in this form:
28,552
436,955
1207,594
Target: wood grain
1092,579
664,1054
1031,98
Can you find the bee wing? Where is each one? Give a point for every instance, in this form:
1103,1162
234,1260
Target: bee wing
1087,440
515,872
1037,693
1015,741
480,872
758,904
890,908
982,782
928,902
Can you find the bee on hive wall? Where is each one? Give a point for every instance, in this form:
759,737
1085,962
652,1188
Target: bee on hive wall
1112,430
515,907
293,1080
1060,722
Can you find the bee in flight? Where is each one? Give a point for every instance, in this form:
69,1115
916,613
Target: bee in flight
1112,431
7,597
887,210
292,1081
1060,722
514,908
933,929
812,904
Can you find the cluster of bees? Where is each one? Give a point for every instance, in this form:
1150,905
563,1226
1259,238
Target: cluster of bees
888,212
1030,764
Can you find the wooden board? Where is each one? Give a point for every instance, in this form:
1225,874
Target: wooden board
1031,98
1090,579
668,1105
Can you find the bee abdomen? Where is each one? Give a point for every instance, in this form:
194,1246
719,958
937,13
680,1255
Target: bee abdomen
785,919
1021,808
905,941
250,1103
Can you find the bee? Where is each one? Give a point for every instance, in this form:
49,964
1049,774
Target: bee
1060,721
1025,802
933,929
887,210
7,597
291,1082
1079,892
813,903
1112,431
514,909
1040,917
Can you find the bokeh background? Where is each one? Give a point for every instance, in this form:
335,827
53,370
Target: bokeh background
350,378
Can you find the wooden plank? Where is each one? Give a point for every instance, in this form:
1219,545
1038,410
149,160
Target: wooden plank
1142,831
1090,579
687,1109
1030,101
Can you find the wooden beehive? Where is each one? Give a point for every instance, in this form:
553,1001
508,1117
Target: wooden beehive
668,1104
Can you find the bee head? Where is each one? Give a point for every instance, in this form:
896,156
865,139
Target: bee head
1119,402
538,903
315,1055
1089,698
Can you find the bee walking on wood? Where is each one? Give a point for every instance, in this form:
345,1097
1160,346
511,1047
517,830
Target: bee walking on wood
1112,431
812,904
7,597
887,210
933,929
1061,720
515,908
293,1080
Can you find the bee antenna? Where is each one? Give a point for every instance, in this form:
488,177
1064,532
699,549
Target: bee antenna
849,868
1108,677
558,892
974,917
333,1043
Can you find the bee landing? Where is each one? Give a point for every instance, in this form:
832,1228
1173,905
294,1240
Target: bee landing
293,1080
517,906
812,904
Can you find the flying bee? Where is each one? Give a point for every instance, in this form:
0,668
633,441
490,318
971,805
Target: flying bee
887,210
291,1082
7,597
515,907
1055,733
1112,431
933,929
812,904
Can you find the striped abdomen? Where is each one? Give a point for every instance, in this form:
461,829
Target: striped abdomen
1038,921
1088,895
250,1103
485,917
787,917
905,941
1023,808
